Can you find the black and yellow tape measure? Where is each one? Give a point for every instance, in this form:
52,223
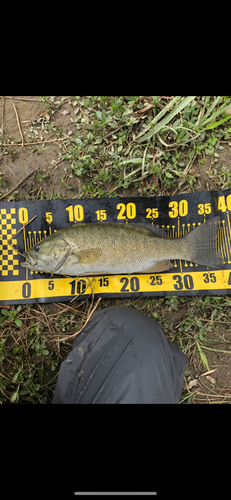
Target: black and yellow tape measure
180,214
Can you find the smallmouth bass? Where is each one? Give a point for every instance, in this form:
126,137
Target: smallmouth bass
115,248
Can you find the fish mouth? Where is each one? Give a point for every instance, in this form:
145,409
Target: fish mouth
30,262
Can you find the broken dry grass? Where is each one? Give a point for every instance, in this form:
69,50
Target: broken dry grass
89,315
31,349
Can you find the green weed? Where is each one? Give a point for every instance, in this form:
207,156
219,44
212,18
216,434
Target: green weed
112,156
11,316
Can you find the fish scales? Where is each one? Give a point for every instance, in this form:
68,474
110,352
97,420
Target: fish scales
115,248
125,247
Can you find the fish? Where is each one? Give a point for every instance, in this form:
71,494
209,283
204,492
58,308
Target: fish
87,249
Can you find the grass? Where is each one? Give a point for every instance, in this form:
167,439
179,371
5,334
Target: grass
120,145
142,144
29,355
145,155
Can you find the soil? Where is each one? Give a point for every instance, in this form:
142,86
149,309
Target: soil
205,385
17,162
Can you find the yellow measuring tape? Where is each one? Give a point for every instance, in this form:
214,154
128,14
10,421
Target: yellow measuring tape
180,214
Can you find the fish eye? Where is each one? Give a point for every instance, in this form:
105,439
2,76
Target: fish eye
37,248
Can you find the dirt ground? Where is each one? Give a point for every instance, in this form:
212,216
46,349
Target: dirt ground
16,163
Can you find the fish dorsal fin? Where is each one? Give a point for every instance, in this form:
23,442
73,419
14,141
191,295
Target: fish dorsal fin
87,256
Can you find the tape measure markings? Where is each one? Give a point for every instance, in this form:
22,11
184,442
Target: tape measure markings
115,284
8,256
174,215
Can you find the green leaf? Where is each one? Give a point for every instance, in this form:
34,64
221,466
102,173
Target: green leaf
23,392
45,352
168,118
209,151
209,111
43,149
216,124
43,401
99,115
5,312
18,322
14,379
14,397
203,357
143,161
134,160
162,112
221,110
128,112
132,173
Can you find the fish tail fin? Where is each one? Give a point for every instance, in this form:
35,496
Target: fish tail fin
206,242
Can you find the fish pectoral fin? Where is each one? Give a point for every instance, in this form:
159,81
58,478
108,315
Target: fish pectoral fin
88,256
163,265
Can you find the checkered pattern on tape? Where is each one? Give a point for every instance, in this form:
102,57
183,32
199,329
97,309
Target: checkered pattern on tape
8,256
